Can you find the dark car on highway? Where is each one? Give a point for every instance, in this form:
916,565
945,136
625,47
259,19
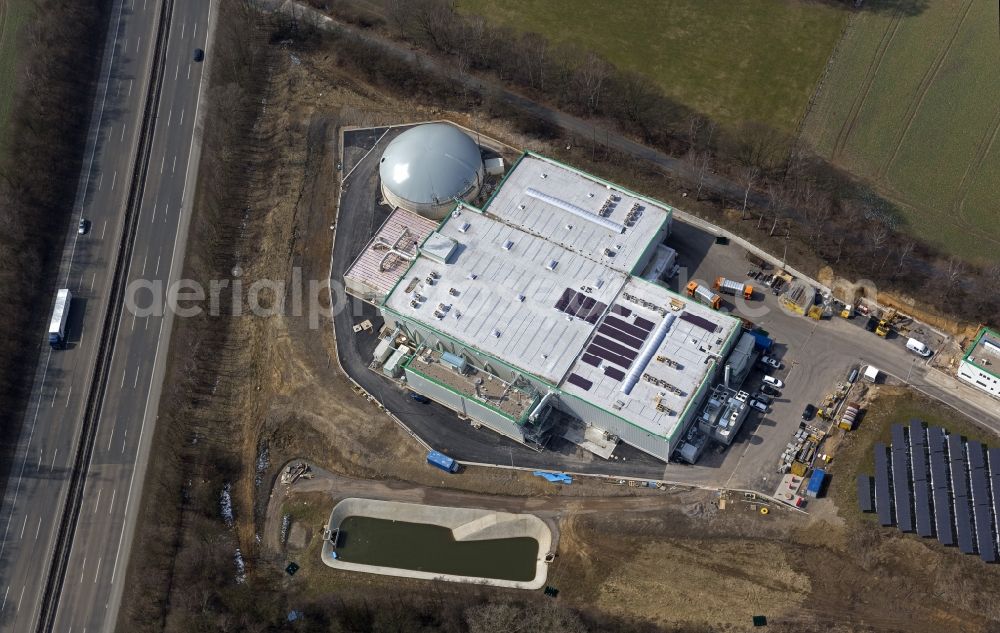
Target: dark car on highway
199,55
808,412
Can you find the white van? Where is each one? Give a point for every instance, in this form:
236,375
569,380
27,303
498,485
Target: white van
916,346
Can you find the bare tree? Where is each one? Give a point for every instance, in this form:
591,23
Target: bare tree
748,176
589,77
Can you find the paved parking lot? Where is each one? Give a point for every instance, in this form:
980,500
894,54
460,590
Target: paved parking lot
816,356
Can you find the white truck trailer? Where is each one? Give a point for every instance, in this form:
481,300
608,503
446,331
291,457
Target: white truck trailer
60,314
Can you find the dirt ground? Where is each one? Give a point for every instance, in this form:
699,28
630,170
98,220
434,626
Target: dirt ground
667,557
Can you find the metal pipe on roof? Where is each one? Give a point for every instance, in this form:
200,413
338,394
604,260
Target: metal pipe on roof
541,405
575,210
646,354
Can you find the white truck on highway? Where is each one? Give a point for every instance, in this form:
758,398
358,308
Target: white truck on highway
60,314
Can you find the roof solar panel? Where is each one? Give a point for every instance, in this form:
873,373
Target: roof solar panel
935,439
621,337
980,487
590,359
922,508
608,356
698,321
918,464
628,328
993,461
580,382
621,310
939,471
901,492
916,433
963,526
984,534
942,517
955,448
898,437
977,460
594,315
643,323
959,479
564,299
611,372
883,492
617,348
866,493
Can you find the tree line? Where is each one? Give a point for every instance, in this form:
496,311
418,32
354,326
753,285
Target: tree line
57,58
778,183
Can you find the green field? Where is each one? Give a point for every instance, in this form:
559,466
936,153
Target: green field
13,16
735,61
912,104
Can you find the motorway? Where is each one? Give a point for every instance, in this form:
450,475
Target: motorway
36,491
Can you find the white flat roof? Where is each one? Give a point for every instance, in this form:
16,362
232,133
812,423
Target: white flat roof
675,371
544,198
506,292
376,266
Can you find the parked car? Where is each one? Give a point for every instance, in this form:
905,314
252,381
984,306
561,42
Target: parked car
763,397
417,397
774,382
771,361
808,412
83,227
760,406
769,390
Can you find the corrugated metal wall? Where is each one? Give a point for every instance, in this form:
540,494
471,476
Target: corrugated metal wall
632,435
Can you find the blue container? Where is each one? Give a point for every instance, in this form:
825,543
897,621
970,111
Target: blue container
442,461
815,485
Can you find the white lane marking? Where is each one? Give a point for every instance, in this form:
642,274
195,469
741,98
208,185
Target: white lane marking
137,44
38,466
100,181
93,278
98,572
189,71
23,526
130,87
124,371
134,384
144,257
98,502
68,394
153,217
111,129
114,179
163,160
147,323
133,321
157,271
119,92
18,608
122,139
195,36
173,168
177,69
103,229
182,117
125,47
182,29
143,5
54,394
113,493
125,435
170,115
53,466
38,528
142,427
82,567
5,598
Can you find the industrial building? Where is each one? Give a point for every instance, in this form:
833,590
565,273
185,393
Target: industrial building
532,316
980,367
427,168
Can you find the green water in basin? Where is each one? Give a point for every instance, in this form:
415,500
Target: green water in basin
431,548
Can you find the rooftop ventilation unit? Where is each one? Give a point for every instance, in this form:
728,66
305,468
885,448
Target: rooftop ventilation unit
509,244
575,210
464,227
552,264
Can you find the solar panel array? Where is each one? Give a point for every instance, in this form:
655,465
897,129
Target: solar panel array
617,341
937,485
579,305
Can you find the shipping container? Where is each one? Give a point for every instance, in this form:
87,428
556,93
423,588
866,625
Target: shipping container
815,486
442,461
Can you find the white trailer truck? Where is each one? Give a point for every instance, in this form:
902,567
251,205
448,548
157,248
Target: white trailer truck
60,314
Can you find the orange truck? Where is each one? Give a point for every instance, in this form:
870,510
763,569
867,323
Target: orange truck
704,295
734,288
